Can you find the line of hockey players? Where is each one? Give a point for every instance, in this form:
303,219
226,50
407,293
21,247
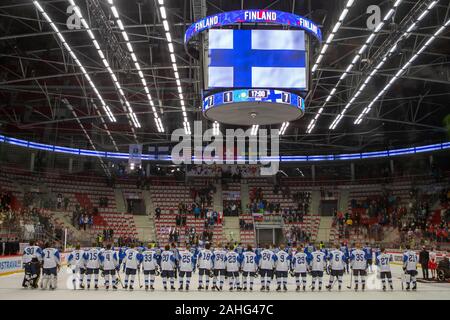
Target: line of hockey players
237,266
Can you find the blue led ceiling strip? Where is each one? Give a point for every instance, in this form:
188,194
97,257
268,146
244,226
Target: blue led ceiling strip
312,158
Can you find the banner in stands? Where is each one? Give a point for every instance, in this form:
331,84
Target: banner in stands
135,158
258,216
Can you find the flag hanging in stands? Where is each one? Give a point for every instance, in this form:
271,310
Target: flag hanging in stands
257,59
135,158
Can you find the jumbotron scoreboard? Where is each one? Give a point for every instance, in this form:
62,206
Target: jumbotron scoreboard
255,65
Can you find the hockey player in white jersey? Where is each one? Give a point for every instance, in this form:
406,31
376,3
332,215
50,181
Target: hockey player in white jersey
410,261
266,266
233,264
186,267
282,263
249,267
300,262
205,263
150,261
50,266
92,259
31,259
109,261
131,264
358,263
318,264
338,261
78,264
168,264
219,267
383,261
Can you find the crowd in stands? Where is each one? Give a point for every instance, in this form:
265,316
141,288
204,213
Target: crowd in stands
245,225
296,235
231,207
82,218
259,205
226,172
413,221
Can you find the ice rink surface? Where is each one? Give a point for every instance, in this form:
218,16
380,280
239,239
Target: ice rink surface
10,288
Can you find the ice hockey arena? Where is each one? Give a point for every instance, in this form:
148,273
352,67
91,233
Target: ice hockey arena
224,150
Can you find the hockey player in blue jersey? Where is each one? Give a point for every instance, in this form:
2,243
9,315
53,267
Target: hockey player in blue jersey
358,262
310,248
51,262
233,265
249,267
344,249
31,259
266,267
219,268
318,264
337,260
205,263
150,262
186,266
282,264
77,262
369,254
92,259
410,260
131,265
300,263
109,261
168,265
383,261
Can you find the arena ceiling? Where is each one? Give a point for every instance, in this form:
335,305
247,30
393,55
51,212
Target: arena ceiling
45,96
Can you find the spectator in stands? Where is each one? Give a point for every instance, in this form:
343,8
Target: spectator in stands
197,212
219,217
85,222
424,259
66,203
59,201
158,212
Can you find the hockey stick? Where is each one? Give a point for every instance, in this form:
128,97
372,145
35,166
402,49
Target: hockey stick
351,280
120,280
139,276
402,280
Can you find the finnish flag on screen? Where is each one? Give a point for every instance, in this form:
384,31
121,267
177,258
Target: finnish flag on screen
257,59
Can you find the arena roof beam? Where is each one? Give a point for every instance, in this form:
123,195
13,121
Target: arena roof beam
173,59
88,78
102,163
352,64
113,76
409,23
125,37
401,71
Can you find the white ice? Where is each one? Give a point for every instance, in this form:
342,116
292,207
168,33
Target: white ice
10,288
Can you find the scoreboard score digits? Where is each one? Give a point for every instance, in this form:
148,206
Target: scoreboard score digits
253,95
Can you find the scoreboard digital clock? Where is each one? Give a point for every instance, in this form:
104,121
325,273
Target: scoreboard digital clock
266,106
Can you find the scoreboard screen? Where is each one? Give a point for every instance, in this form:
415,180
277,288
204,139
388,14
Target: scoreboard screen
257,59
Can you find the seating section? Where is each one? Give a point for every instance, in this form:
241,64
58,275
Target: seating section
400,189
247,236
83,192
269,195
310,225
167,197
122,224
